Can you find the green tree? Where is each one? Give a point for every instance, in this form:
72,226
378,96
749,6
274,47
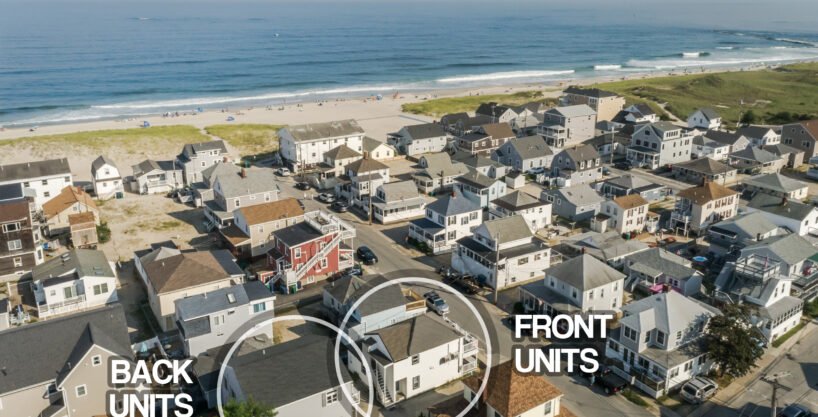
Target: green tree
249,408
748,118
732,341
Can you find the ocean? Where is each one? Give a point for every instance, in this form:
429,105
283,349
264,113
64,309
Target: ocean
64,61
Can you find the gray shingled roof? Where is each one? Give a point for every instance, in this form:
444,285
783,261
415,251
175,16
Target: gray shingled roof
35,169
426,130
578,195
582,153
707,166
755,154
757,132
775,182
452,205
40,352
209,145
347,290
414,336
709,113
257,180
341,152
746,226
314,131
631,182
99,162
530,147
721,136
476,179
589,92
578,110
509,229
658,261
400,190
790,248
518,200
297,234
779,206
668,312
585,272
83,262
290,371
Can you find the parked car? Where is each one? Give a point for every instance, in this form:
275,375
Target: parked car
341,206
366,255
699,390
438,305
623,165
431,294
283,172
326,198
536,170
463,286
356,270
610,382
795,410
303,185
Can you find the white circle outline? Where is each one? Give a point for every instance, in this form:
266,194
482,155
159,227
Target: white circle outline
432,282
311,319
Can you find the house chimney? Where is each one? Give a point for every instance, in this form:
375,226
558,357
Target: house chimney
243,173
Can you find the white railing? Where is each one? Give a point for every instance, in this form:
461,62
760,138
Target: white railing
71,304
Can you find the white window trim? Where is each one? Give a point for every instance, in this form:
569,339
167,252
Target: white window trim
77,390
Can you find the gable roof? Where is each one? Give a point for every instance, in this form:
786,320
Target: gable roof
341,152
757,132
101,161
40,352
707,166
775,182
779,206
708,113
450,205
669,312
585,272
315,131
727,138
498,130
630,201
582,153
255,181
589,92
512,393
348,289
171,270
287,372
430,130
67,197
476,179
274,210
705,193
657,261
518,200
746,226
578,195
530,147
414,336
578,110
631,182
398,190
219,300
366,165
493,109
34,169
508,229
78,262
755,154
790,248
210,145
370,144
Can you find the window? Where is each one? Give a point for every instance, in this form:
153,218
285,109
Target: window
96,360
473,216
547,408
11,227
660,338
16,244
237,202
331,397
415,359
18,262
68,292
453,235
324,263
688,366
416,382
297,252
81,390
45,182
647,337
101,289
522,261
259,308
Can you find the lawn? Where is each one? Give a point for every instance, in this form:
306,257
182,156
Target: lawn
440,106
131,141
778,95
250,139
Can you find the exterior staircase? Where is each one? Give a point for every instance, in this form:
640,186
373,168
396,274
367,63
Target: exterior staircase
303,268
386,398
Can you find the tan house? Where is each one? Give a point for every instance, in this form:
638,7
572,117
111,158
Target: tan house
170,274
626,214
60,367
699,207
251,233
605,103
71,200
83,228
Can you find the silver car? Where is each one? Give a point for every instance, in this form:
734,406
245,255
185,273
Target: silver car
699,390
437,304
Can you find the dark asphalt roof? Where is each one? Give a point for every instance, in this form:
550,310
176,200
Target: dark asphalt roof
26,170
297,234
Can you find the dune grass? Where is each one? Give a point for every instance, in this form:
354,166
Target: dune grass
131,141
778,95
248,139
441,106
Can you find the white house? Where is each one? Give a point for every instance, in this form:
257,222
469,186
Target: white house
305,145
704,118
415,356
502,253
156,177
578,285
75,281
212,319
628,213
704,147
480,188
41,180
437,172
364,177
397,201
699,207
777,185
377,150
763,277
447,219
761,135
659,342
657,270
536,213
659,144
415,140
292,377
106,178
798,217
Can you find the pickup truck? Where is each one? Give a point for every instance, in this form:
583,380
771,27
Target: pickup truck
610,382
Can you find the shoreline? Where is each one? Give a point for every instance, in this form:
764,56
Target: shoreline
360,107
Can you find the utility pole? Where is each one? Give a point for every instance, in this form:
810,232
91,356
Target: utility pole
773,380
497,268
369,185
612,144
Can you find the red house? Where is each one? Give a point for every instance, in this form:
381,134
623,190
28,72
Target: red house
310,251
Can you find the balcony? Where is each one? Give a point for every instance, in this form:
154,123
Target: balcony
680,217
469,365
413,301
471,346
45,309
326,224
757,267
